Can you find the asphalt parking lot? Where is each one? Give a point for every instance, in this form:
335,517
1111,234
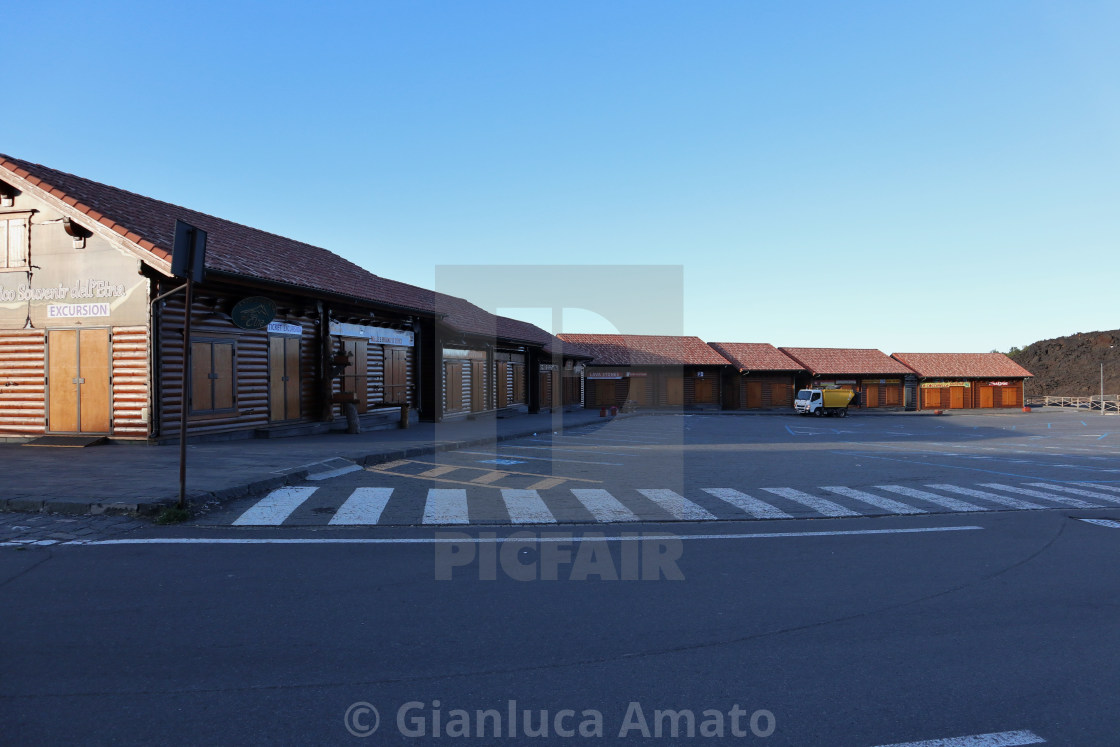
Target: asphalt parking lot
698,467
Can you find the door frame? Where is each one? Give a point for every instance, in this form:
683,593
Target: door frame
46,376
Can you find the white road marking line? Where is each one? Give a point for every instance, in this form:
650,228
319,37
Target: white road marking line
884,503
1001,739
543,459
1110,523
1075,491
753,506
993,497
558,448
526,507
821,505
602,505
950,503
1096,485
335,472
1074,502
594,444
274,508
678,505
591,537
446,506
363,507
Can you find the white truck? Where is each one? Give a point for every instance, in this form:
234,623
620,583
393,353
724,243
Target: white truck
820,402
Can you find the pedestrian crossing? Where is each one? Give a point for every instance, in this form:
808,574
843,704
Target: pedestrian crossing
386,506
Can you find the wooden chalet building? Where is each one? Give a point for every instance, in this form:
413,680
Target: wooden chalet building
966,380
650,371
284,334
494,364
760,376
878,379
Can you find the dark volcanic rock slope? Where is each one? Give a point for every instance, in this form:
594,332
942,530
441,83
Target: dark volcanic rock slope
1071,366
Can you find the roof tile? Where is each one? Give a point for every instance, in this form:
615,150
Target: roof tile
756,356
866,361
962,365
646,350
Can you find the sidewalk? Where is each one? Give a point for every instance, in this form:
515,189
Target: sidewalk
121,478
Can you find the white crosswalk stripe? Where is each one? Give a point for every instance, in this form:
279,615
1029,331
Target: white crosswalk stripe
823,505
526,507
602,505
753,506
1075,491
1073,502
274,508
1112,488
677,505
887,504
446,506
950,503
993,497
363,507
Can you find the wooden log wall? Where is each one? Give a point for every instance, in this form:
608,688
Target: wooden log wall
130,382
22,382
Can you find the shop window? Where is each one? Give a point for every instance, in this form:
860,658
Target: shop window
13,241
213,386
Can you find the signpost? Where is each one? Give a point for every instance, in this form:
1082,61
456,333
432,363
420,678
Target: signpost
188,261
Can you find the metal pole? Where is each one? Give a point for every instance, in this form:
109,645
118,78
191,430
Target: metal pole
183,400
1102,387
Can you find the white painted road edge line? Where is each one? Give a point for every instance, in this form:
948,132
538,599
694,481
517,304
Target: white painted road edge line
1001,739
587,537
334,472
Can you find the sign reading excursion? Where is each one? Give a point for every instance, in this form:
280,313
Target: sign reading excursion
77,310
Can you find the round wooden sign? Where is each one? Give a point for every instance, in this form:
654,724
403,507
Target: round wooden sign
254,312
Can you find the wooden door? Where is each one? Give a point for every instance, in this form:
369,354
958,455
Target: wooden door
78,376
637,391
870,395
956,397
704,391
283,378
674,391
396,376
986,398
354,379
478,386
452,386
754,394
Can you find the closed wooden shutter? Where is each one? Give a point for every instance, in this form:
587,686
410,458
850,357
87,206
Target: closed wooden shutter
396,376
453,386
931,398
956,397
478,386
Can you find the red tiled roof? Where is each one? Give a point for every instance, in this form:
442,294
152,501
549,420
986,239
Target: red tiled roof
230,247
646,350
845,361
756,356
962,365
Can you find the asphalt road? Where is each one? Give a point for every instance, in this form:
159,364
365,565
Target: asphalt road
998,625
850,639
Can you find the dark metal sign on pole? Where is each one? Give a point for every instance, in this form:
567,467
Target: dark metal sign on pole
188,260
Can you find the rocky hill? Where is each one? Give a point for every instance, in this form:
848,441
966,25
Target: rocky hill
1071,366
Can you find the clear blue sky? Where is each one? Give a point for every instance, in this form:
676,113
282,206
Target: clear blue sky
899,175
